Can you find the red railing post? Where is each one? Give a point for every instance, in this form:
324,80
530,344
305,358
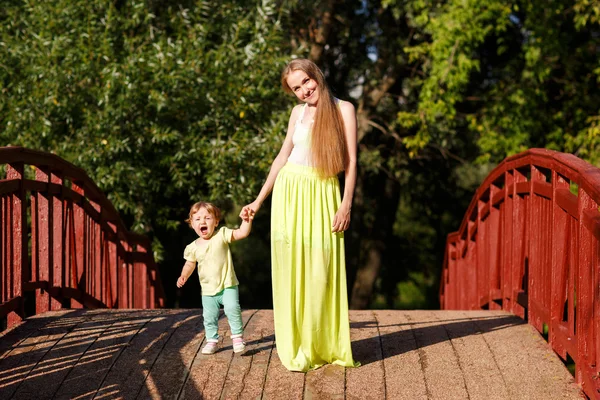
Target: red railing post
113,263
121,275
77,251
56,248
481,253
561,266
495,233
19,257
40,245
519,243
586,366
506,261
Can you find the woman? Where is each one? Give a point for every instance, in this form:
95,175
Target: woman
308,218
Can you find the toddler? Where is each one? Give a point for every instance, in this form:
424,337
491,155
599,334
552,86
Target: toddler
215,269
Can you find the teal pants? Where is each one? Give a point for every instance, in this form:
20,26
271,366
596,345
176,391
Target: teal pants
229,298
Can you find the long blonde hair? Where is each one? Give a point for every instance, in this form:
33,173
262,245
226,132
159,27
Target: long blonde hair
328,141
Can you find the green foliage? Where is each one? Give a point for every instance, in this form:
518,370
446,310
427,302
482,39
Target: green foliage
516,74
154,100
167,102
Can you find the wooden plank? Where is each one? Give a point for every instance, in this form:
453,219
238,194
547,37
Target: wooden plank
207,372
10,306
46,377
17,367
281,383
237,376
482,375
56,247
403,379
519,350
261,342
90,371
543,189
129,373
78,242
15,337
42,250
72,354
437,358
567,201
168,374
368,381
9,186
20,259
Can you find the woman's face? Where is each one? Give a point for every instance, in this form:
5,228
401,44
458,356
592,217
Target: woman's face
304,87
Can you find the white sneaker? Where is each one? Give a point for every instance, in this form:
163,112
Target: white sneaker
238,345
210,347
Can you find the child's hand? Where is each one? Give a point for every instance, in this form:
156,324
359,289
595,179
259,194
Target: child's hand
248,211
180,281
247,214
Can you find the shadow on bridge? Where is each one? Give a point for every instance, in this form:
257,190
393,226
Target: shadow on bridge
86,354
421,334
365,349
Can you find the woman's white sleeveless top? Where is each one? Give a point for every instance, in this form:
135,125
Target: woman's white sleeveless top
301,139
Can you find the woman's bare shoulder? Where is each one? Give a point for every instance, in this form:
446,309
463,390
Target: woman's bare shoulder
346,106
295,113
297,108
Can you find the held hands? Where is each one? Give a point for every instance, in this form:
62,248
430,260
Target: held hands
341,220
248,211
247,215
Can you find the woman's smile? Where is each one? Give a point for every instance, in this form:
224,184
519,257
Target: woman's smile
303,86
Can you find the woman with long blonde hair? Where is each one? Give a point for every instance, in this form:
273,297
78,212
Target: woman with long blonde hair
308,220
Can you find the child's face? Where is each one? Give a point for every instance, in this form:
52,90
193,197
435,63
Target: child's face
204,223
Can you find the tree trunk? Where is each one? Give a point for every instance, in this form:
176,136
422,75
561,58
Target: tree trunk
367,273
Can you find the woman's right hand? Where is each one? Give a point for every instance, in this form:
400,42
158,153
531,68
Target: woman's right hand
250,209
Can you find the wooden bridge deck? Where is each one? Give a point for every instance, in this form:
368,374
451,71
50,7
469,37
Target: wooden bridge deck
77,354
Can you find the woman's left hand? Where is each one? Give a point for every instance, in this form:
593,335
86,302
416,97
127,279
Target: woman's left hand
341,220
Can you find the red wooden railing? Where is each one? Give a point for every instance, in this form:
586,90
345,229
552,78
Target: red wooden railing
530,244
62,243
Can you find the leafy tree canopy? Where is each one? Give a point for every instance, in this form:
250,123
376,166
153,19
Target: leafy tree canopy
161,102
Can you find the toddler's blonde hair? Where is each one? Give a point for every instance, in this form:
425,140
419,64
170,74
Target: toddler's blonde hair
210,207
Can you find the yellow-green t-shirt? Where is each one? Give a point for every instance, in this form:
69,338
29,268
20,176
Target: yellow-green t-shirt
215,266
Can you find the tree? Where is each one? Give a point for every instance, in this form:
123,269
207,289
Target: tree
162,103
166,102
446,89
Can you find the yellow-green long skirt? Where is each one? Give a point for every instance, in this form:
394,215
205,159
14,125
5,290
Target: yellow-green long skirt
310,301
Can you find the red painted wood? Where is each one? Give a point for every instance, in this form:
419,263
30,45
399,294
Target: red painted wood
586,350
506,262
495,233
78,242
56,248
81,253
560,268
112,265
19,260
42,249
534,249
4,249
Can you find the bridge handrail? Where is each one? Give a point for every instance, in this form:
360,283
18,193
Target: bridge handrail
529,244
63,244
